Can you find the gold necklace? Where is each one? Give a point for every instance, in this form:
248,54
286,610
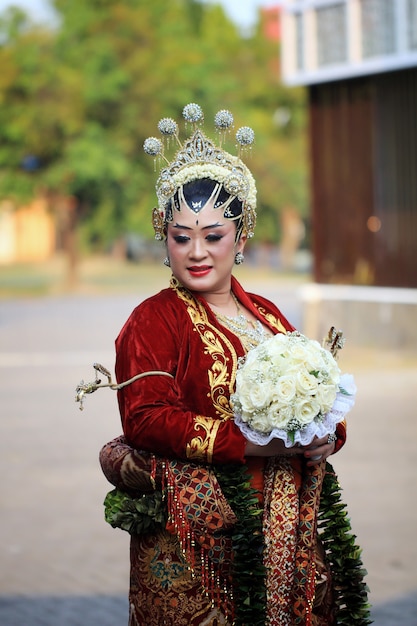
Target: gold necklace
249,332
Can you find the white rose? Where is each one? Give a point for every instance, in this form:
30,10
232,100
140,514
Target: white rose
331,367
315,358
313,347
298,353
244,400
280,415
279,363
260,423
250,371
306,383
326,395
277,343
306,409
254,356
334,375
258,395
285,390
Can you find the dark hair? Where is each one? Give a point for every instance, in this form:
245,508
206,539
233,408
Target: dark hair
200,191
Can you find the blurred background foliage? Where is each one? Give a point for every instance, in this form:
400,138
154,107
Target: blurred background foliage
79,97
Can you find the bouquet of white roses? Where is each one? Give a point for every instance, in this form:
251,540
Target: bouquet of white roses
290,388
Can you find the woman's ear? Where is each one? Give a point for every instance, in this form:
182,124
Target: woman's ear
241,243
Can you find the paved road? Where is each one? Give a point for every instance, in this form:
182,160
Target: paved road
60,564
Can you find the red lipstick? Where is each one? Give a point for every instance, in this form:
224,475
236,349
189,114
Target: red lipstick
199,270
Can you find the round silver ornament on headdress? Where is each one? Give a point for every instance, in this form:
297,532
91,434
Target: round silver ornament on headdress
193,113
223,120
153,146
168,127
245,136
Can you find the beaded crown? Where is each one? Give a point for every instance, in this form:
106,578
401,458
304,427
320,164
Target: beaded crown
197,158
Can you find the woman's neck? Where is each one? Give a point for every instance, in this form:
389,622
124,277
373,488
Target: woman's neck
225,303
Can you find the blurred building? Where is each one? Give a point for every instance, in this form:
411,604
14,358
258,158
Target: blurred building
358,60
271,21
27,233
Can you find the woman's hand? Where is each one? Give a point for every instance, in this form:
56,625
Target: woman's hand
318,450
315,452
276,447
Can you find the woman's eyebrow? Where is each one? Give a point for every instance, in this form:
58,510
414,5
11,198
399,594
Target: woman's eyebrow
216,225
181,226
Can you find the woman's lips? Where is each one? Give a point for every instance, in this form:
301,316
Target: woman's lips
199,270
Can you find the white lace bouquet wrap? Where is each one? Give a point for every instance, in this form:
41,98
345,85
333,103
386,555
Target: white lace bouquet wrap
290,388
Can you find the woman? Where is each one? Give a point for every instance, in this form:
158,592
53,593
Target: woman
180,436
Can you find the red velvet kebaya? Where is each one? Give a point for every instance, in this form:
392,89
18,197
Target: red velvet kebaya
223,531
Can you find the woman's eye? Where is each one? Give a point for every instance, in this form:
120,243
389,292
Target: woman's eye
214,237
181,238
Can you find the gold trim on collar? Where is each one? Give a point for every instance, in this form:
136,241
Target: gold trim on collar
222,374
271,319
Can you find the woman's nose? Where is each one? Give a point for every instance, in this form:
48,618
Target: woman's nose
197,249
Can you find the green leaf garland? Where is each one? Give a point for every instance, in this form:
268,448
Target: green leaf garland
350,590
144,514
247,542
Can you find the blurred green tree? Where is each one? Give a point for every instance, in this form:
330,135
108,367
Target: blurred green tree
78,100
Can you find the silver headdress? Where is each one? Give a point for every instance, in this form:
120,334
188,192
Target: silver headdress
200,158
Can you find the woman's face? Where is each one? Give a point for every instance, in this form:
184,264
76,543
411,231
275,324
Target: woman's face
202,248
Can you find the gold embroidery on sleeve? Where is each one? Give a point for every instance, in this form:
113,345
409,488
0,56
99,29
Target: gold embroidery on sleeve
201,447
